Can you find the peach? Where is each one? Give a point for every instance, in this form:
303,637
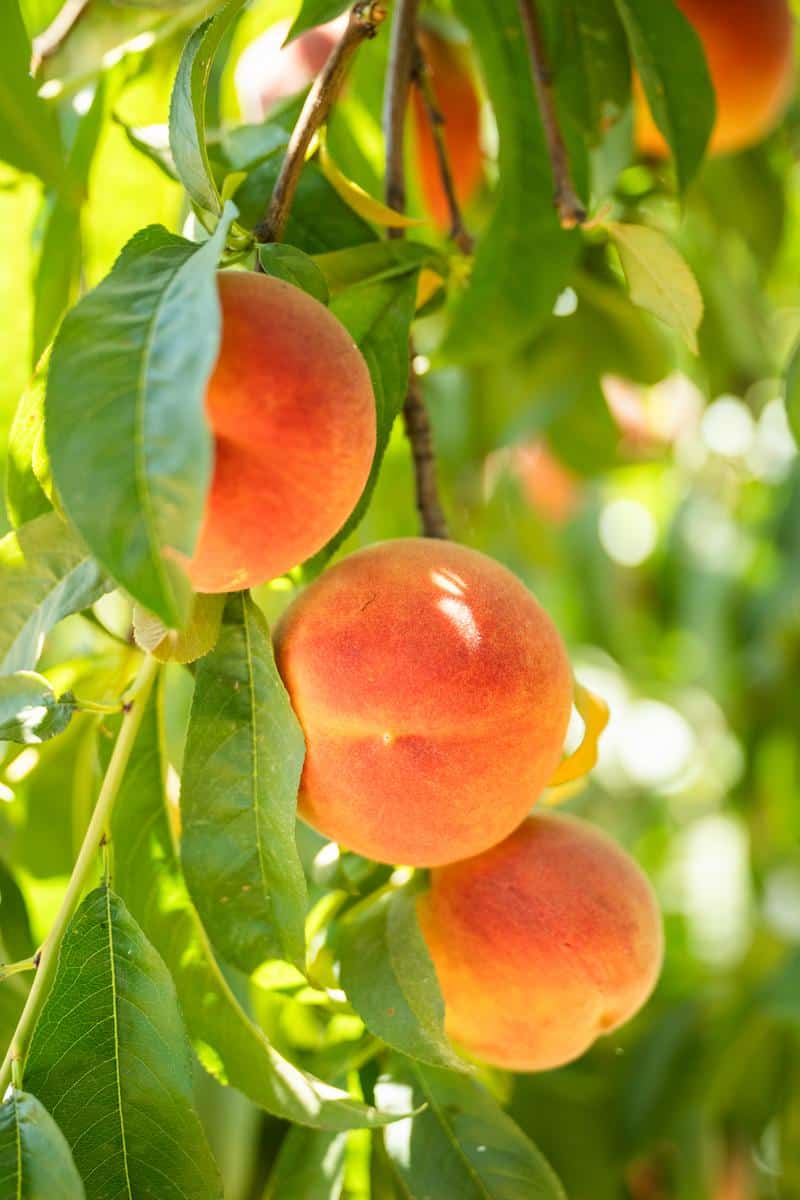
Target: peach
434,693
291,407
750,57
458,104
541,943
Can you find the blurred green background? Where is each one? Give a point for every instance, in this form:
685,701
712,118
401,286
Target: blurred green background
651,499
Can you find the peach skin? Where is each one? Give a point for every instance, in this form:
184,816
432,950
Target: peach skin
750,54
542,943
292,412
434,693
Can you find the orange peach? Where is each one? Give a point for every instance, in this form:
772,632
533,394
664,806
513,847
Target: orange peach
750,57
457,103
542,943
292,411
434,693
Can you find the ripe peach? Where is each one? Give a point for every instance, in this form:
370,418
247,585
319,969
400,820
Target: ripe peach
542,943
457,102
750,57
434,693
292,411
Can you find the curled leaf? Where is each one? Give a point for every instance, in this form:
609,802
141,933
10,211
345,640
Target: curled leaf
595,714
360,201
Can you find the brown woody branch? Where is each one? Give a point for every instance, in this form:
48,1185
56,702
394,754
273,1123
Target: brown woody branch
363,24
421,78
402,60
570,209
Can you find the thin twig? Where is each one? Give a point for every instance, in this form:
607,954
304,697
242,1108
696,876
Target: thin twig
402,54
363,24
420,436
421,78
49,40
570,210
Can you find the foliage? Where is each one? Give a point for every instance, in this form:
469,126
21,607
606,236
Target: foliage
240,1008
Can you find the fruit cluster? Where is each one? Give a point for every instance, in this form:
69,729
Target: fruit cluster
434,693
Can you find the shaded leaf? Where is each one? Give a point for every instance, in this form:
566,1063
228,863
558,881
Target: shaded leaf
229,1045
129,370
524,256
187,111
659,278
463,1144
671,63
30,712
593,68
295,267
241,773
45,574
390,981
15,927
29,137
309,1166
35,1160
110,1060
378,315
793,393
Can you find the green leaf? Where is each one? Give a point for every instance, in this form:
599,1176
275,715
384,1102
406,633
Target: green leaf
309,1166
315,12
295,267
463,1144
793,393
671,63
27,466
35,1160
378,316
181,646
390,981
187,111
375,262
229,1045
29,137
45,574
659,278
29,710
152,141
15,928
58,270
241,773
593,71
524,257
110,1060
125,423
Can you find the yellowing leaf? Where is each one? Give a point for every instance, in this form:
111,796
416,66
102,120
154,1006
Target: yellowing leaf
360,201
594,712
659,278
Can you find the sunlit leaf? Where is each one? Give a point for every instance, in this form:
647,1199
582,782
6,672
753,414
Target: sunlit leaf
659,278
315,12
45,574
128,369
29,137
27,467
187,114
181,645
372,210
30,711
241,772
35,1160
310,1166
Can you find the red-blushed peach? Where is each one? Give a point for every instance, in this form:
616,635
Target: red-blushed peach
292,412
434,693
458,104
541,943
750,54
268,71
